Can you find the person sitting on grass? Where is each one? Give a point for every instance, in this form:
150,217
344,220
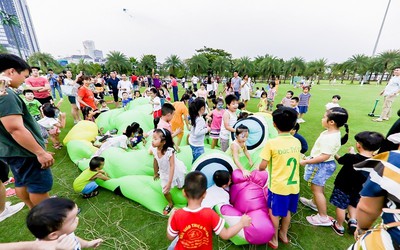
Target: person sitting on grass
197,220
55,217
85,182
238,148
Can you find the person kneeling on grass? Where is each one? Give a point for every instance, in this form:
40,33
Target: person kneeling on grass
85,182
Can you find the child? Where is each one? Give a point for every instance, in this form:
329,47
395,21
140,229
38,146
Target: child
125,99
349,182
202,92
303,142
199,127
287,99
104,107
167,167
263,103
196,220
181,115
55,217
241,108
219,192
228,121
89,114
53,121
271,96
258,93
322,165
294,102
238,148
334,103
85,182
216,115
136,94
162,96
156,102
304,102
167,112
282,156
32,104
138,138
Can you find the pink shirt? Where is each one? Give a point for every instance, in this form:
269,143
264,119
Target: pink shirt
174,83
38,82
165,125
217,119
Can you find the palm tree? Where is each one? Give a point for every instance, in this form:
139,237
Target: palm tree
118,61
316,68
44,60
296,66
198,64
134,63
220,65
386,60
173,63
11,21
269,66
358,64
244,65
147,63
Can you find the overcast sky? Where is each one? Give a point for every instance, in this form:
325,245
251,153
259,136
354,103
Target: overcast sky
284,28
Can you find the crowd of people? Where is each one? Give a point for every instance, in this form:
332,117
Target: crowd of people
207,113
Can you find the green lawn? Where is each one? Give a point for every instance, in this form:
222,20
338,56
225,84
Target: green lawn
125,224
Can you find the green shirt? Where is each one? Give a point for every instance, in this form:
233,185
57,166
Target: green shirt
12,104
33,106
83,179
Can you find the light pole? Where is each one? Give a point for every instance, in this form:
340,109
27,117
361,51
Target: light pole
11,21
380,30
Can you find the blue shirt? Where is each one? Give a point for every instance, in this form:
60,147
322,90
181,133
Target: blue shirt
113,83
52,79
304,144
125,102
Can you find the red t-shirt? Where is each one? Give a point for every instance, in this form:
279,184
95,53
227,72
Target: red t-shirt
174,83
87,96
194,228
38,82
133,78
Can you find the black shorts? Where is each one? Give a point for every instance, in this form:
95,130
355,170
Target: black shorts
72,99
4,170
115,95
343,199
44,100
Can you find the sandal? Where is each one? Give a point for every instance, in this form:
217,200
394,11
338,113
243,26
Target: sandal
167,210
90,195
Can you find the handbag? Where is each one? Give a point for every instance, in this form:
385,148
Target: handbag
67,90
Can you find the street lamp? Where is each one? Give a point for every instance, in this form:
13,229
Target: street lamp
380,30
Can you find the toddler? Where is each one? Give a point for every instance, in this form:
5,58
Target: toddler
271,96
238,148
136,94
32,104
53,121
89,114
334,103
287,99
263,103
304,102
216,115
155,101
104,107
294,102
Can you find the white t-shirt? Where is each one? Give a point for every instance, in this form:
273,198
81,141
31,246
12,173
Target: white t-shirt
215,195
126,86
197,133
195,79
393,86
48,123
332,105
258,93
156,106
327,143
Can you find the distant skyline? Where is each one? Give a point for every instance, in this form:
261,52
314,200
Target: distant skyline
312,29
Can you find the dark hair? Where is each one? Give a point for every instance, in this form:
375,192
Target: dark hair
172,75
388,145
279,105
243,115
339,116
185,97
291,92
194,109
167,108
241,105
10,61
221,177
370,141
136,91
96,162
85,111
195,185
336,96
124,92
27,91
102,101
49,110
165,136
273,84
155,91
229,99
240,129
131,129
264,93
295,98
284,118
296,127
48,216
306,87
86,77
50,70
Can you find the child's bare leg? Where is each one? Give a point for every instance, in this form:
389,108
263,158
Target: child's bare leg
53,140
340,216
285,223
275,221
169,199
352,212
214,143
319,199
23,194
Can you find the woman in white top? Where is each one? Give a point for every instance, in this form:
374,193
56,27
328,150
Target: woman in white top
245,90
72,98
124,86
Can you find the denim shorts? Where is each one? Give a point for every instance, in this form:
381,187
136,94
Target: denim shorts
282,204
342,199
90,187
196,152
28,173
303,109
318,173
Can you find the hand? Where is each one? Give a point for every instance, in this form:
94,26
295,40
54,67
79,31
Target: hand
156,177
303,162
45,159
94,243
166,189
351,150
245,220
246,173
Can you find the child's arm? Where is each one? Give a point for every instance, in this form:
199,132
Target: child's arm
235,155
170,237
167,188
263,165
226,122
176,132
101,176
320,158
89,244
62,120
247,154
228,233
155,166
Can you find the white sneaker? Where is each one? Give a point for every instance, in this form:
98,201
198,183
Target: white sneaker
309,203
11,210
317,220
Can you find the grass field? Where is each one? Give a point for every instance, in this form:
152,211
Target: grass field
124,224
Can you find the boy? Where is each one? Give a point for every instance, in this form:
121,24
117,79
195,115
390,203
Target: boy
294,102
282,156
218,193
258,93
125,99
32,104
167,113
304,102
55,217
287,99
349,182
229,119
334,103
192,220
85,182
303,142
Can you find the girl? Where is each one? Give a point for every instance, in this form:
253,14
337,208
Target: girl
216,115
89,114
271,96
53,120
199,127
321,164
72,98
164,87
202,92
162,96
167,167
262,104
245,90
156,102
238,148
136,94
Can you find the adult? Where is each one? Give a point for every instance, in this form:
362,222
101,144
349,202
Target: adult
245,90
21,144
236,84
174,85
390,92
39,85
181,114
85,95
134,81
194,81
113,85
156,80
124,86
68,81
183,80
53,80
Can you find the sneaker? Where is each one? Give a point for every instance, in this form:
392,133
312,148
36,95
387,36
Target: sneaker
10,192
11,210
9,181
351,226
317,220
309,203
338,231
377,120
385,119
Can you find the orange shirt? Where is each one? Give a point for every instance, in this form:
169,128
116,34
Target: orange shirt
87,96
177,121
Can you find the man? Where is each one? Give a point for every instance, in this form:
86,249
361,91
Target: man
156,80
390,92
124,85
113,85
134,81
21,143
235,83
194,81
39,85
54,84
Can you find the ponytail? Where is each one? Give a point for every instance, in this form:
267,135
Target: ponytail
339,116
345,138
194,108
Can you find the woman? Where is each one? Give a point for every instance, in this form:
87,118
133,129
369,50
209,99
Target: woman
174,85
245,90
72,98
85,95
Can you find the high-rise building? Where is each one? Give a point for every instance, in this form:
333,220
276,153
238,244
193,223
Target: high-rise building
89,48
25,34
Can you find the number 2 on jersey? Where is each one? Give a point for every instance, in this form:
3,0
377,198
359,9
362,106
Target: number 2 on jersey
292,162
